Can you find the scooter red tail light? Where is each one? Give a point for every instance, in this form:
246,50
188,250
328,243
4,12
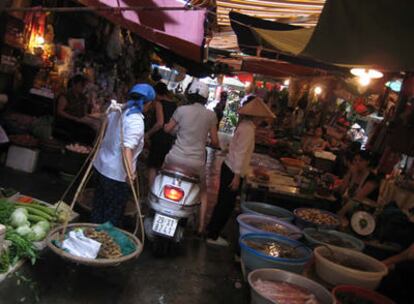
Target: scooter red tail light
173,193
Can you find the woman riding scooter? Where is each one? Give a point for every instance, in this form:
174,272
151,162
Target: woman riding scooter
192,124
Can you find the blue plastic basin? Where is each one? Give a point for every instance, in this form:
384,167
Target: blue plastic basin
247,221
259,208
254,259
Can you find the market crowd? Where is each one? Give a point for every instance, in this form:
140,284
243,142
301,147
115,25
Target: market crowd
175,131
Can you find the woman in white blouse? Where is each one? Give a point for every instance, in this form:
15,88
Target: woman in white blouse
112,189
235,166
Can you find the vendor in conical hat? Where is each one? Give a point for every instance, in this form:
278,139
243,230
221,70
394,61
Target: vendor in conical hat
236,164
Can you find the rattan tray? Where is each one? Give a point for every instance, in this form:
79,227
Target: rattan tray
55,235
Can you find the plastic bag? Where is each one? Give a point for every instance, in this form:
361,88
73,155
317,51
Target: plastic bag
78,244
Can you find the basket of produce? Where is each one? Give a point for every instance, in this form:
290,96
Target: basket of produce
85,201
94,245
292,162
30,218
263,250
258,208
24,140
348,294
27,223
316,218
249,223
269,286
338,266
78,149
317,237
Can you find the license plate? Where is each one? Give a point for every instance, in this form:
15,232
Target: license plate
164,225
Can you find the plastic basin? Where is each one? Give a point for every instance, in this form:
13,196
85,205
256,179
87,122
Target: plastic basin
302,223
323,296
362,293
247,225
337,274
259,208
254,259
357,244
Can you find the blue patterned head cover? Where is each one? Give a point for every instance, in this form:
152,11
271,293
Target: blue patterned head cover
138,95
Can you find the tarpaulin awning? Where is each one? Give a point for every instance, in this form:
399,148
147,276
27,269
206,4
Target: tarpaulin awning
278,69
249,42
181,31
372,33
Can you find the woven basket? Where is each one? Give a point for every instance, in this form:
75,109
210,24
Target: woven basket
55,235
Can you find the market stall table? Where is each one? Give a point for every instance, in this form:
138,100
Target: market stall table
280,189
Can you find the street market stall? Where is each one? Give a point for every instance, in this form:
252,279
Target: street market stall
24,224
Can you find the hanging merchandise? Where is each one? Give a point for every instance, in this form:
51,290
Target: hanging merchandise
115,43
34,33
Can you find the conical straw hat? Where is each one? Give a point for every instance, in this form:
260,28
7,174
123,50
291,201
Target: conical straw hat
258,108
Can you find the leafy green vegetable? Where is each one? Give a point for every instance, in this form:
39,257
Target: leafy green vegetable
6,209
36,210
4,261
19,218
24,230
20,247
44,224
38,233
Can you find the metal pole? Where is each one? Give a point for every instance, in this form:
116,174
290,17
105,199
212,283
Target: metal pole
94,8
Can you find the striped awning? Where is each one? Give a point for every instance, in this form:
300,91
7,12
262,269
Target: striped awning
300,12
303,13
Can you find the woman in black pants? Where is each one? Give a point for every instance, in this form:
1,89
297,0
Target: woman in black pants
235,166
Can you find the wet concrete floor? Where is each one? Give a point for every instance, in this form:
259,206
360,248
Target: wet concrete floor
197,273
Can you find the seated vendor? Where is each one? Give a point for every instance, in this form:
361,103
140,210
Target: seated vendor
361,183
397,284
72,110
315,142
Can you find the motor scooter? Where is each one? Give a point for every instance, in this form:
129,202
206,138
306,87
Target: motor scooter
173,199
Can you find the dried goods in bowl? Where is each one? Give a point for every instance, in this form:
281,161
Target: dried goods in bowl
250,223
307,217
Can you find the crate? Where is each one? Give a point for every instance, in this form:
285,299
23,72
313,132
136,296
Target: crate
22,159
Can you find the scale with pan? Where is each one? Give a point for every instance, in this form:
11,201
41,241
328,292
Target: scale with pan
363,223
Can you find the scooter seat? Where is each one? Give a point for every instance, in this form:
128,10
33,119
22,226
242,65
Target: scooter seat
189,172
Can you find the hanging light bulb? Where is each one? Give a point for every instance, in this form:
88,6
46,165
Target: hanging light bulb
364,80
371,73
318,90
39,40
286,82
